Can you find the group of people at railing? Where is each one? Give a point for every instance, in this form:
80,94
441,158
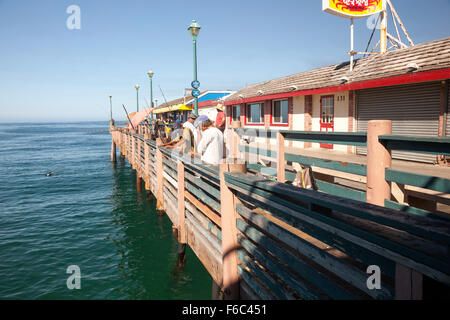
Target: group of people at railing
198,136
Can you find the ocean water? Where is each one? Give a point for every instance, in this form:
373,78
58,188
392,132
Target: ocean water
87,214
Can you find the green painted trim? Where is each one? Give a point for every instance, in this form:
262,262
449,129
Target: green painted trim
338,138
323,186
416,211
341,191
429,145
418,180
347,167
260,151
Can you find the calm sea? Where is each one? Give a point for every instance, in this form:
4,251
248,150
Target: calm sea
87,214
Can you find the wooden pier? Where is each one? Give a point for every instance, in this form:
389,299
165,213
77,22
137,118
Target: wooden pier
262,238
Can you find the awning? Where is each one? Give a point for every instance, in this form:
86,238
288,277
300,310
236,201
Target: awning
176,107
138,117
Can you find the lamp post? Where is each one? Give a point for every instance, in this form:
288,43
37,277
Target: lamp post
150,75
137,98
110,106
194,30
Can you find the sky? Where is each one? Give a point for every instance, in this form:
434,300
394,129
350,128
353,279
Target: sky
49,72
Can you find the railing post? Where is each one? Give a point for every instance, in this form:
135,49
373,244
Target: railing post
181,210
159,178
378,159
280,158
128,146
133,152
146,161
122,143
230,246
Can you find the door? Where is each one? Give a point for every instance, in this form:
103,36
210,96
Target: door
413,109
326,117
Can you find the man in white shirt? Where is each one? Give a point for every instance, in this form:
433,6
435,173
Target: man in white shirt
190,124
211,144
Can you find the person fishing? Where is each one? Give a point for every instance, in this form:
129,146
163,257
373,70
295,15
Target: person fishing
211,144
185,141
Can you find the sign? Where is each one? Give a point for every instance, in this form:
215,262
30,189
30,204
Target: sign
195,84
187,92
195,93
353,8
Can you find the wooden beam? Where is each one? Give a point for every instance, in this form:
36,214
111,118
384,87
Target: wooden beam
281,164
203,208
229,234
181,214
159,179
146,162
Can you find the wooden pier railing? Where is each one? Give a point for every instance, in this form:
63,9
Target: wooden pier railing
391,186
265,239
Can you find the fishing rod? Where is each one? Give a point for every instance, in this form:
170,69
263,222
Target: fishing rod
128,116
163,94
148,114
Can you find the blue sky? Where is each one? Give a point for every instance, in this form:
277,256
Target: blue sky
51,73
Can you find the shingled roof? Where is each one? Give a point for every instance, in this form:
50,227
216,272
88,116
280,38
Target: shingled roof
173,102
428,56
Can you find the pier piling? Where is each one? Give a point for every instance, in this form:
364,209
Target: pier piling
113,144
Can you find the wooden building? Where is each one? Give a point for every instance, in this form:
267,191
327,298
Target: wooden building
408,86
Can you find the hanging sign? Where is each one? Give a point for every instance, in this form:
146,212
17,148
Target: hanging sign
195,84
353,8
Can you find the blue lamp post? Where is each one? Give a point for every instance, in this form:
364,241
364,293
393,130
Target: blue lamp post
194,30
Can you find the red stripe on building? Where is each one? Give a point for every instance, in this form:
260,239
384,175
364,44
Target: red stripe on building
434,75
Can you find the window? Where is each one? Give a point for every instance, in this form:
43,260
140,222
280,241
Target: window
327,110
255,113
236,113
280,110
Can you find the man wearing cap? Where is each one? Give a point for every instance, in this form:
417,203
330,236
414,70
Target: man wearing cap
220,118
187,141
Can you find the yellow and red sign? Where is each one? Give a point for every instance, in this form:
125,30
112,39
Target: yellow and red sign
353,8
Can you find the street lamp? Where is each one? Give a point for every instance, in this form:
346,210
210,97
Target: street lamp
110,105
194,30
137,97
150,75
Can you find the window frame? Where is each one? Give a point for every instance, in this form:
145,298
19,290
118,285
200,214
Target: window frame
233,108
261,113
279,124
327,124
